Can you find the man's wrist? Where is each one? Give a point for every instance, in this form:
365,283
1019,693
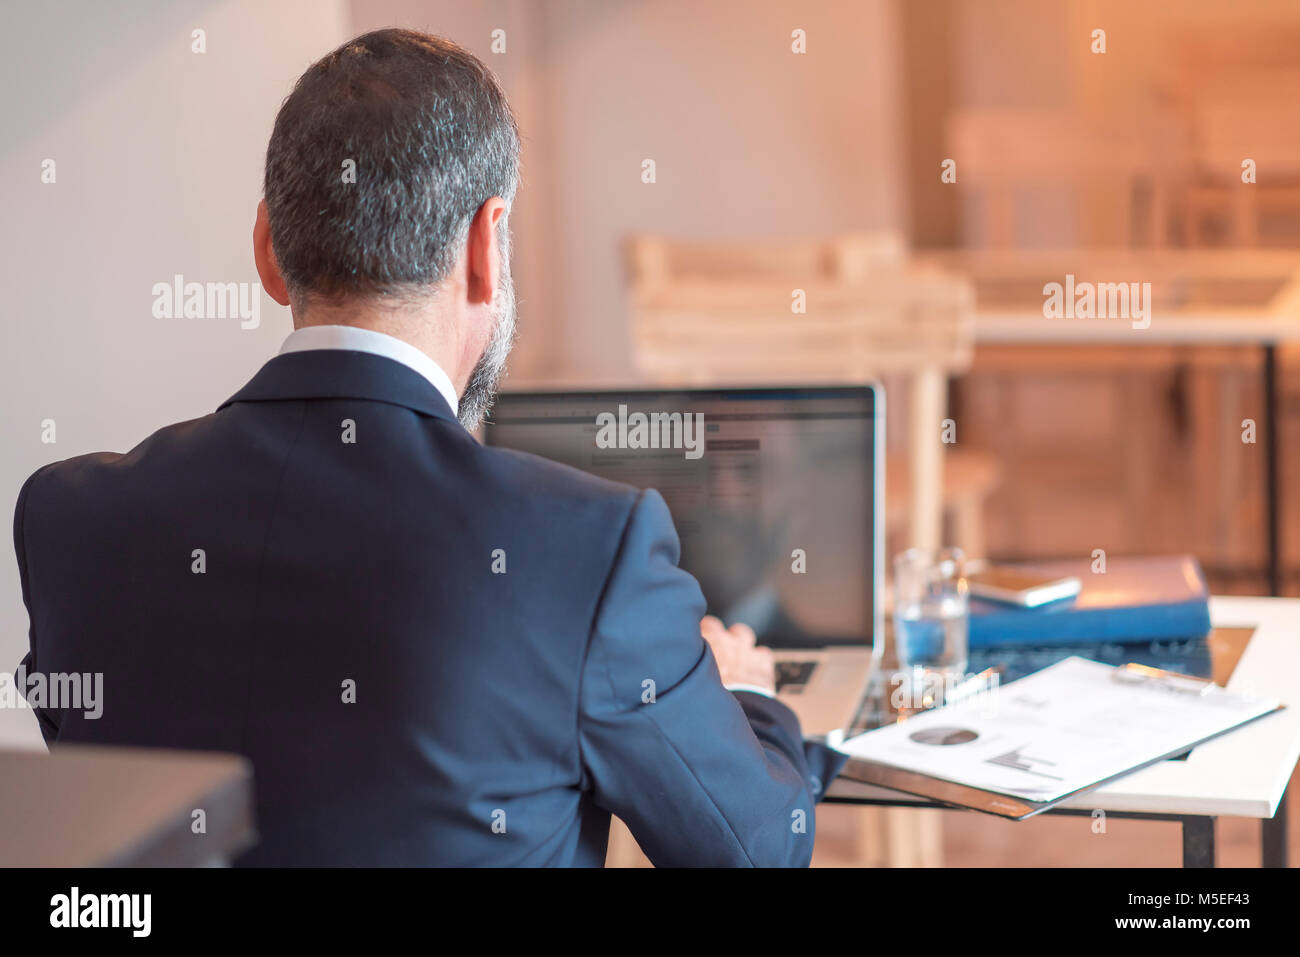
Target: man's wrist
756,689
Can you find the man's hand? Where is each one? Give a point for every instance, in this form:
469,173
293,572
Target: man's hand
740,661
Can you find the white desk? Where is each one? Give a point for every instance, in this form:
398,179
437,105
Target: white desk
100,806
1242,774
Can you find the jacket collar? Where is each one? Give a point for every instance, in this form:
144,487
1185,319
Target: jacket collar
343,374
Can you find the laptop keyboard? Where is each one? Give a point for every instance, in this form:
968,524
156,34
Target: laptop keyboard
792,676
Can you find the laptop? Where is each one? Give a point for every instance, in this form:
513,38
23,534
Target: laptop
778,499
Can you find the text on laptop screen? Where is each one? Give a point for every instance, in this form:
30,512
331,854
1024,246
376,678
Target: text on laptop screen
771,492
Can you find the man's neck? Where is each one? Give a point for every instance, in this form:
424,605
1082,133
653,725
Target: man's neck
423,328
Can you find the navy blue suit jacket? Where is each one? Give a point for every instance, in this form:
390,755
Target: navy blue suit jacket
432,652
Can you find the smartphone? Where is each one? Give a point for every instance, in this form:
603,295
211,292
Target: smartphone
1021,586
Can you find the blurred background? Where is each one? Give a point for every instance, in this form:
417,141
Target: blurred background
748,190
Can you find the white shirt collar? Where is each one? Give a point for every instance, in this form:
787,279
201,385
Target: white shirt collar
355,339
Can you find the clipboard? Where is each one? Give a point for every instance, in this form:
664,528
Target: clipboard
953,794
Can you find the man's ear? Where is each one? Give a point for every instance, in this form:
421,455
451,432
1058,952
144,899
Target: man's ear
264,256
483,255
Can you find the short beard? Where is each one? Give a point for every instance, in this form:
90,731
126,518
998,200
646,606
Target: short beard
485,380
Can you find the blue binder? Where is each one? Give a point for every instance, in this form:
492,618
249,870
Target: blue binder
1135,599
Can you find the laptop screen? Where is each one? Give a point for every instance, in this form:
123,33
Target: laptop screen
771,491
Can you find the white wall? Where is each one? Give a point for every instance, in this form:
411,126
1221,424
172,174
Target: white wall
158,157
749,139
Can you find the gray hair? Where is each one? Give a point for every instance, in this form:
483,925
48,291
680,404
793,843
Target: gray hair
431,137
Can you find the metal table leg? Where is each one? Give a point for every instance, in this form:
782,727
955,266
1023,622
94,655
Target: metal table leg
1273,837
1198,842
1271,469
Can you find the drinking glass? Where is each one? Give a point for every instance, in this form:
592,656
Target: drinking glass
931,618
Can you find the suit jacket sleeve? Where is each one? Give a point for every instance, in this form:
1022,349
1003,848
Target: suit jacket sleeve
44,717
700,776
